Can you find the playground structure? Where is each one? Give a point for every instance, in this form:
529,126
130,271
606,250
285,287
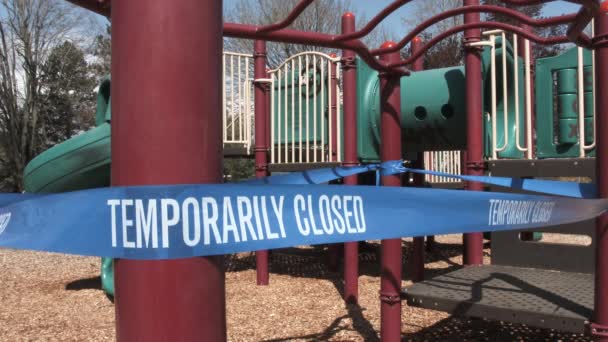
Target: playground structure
351,123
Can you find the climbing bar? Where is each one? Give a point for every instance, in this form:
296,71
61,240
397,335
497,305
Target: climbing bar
488,25
293,15
544,22
349,41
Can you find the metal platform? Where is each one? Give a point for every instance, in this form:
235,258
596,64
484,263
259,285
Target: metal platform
540,298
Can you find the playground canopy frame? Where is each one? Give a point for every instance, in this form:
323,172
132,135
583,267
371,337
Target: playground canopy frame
279,33
393,67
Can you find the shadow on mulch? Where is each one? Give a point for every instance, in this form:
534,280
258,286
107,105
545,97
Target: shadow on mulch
360,324
471,329
93,283
313,262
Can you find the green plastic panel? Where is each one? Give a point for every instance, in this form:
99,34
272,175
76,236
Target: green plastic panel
433,108
557,105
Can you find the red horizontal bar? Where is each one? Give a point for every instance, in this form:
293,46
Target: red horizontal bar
309,38
375,21
291,17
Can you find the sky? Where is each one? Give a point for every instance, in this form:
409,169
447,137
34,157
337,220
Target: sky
371,7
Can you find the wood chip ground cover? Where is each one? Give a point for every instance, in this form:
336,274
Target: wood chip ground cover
56,297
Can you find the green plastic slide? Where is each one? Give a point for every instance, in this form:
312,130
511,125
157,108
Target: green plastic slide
82,162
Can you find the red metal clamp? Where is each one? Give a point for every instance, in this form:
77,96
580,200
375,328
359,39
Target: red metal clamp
476,165
598,330
348,63
390,297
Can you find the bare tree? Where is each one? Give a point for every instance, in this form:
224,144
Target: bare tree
447,52
29,29
320,16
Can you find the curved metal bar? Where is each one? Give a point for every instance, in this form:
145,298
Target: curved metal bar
291,17
102,7
310,38
480,8
491,25
374,22
585,3
309,53
583,17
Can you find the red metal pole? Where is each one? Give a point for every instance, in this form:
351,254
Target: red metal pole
600,318
334,250
473,242
349,79
166,94
261,149
267,113
390,149
417,264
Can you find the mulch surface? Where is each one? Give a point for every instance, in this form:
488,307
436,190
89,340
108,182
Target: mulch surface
57,297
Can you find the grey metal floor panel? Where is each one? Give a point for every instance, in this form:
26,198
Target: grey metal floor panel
540,298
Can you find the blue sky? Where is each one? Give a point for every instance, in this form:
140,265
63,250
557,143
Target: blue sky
370,7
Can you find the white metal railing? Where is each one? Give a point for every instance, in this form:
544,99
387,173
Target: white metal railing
237,99
443,161
528,129
582,147
305,121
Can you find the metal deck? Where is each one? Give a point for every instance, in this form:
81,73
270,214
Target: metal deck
540,298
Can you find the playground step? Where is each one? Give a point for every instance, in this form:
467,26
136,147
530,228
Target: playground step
538,298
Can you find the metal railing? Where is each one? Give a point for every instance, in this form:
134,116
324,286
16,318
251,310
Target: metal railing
527,127
443,161
305,101
237,100
583,148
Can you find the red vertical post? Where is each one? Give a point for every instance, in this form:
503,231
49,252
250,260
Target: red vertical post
261,149
333,110
334,250
167,130
600,317
473,242
349,84
390,149
417,265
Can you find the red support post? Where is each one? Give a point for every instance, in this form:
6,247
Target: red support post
473,242
349,84
261,148
600,317
390,149
167,130
417,263
334,250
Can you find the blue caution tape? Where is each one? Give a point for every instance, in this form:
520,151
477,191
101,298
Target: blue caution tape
178,221
559,188
320,176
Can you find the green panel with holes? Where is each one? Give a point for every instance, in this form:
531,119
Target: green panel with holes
433,108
